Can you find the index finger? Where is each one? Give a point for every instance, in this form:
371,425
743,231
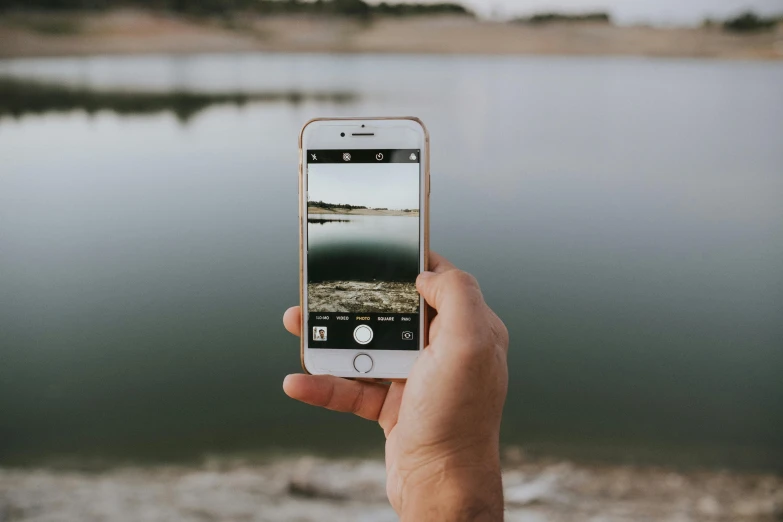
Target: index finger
365,399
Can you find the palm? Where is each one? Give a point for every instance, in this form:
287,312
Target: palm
405,429
393,482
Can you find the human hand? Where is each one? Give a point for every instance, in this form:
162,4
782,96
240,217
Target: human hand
442,425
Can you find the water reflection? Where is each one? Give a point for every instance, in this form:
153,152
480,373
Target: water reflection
363,248
23,96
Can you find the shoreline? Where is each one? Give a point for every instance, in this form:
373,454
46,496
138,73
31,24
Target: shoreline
320,211
309,488
130,31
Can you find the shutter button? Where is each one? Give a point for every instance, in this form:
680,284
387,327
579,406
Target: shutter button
362,334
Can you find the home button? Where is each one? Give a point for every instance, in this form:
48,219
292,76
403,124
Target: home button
362,363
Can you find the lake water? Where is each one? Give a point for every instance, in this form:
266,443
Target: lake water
623,216
362,248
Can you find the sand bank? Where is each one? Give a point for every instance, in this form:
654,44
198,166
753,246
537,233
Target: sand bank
139,32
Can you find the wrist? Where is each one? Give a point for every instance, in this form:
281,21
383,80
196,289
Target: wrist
455,489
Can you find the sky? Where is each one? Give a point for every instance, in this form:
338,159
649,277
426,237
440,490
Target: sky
376,185
676,12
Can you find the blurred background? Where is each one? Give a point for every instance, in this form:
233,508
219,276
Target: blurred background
612,173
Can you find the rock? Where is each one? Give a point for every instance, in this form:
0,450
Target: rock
709,507
359,296
335,480
539,490
312,489
757,508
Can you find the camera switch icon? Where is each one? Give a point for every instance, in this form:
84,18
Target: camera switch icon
407,336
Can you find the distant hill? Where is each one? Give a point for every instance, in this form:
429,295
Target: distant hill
354,8
547,18
343,206
750,22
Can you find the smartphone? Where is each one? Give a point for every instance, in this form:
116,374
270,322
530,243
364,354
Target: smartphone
364,220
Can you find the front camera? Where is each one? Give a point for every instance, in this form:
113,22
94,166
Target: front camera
342,135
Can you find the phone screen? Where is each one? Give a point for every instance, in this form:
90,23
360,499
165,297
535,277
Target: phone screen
363,248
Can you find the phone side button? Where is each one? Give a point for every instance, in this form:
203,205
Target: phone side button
362,363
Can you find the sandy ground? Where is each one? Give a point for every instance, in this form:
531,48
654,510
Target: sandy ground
315,211
357,296
131,31
310,489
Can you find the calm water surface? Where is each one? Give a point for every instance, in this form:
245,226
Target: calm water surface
623,216
362,248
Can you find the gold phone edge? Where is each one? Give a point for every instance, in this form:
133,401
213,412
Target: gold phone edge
426,311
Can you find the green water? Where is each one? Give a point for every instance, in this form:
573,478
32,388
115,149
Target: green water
623,216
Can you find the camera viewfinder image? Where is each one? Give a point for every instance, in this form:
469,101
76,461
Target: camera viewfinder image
363,237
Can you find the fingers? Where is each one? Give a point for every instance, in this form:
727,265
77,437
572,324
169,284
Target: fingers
292,320
365,399
391,407
452,288
438,263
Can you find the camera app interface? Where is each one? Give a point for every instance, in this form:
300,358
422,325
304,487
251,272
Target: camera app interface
363,248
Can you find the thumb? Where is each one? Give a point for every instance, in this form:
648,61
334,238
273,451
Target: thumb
446,288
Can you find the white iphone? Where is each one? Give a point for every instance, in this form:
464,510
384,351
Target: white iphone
363,210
